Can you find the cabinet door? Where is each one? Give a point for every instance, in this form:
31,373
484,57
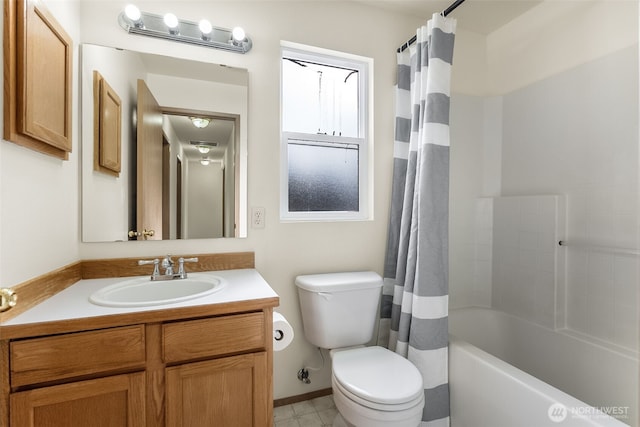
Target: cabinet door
38,77
227,392
116,401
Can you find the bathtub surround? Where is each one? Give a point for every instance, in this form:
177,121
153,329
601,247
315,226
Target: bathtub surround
559,117
593,122
583,146
416,264
527,262
518,263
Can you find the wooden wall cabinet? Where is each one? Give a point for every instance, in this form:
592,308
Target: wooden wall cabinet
184,372
38,77
107,127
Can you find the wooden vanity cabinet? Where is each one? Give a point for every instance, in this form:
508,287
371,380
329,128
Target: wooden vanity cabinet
225,392
230,390
203,371
65,360
103,402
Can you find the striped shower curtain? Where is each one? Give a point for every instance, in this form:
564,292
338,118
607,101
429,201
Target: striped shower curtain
415,295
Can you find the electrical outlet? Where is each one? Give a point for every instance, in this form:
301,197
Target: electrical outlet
257,217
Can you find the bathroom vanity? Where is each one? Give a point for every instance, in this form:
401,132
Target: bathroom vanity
200,362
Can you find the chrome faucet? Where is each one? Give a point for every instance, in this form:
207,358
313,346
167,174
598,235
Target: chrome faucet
167,264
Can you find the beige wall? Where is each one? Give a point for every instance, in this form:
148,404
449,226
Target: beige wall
39,195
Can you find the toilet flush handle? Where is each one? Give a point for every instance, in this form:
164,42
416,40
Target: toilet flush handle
326,295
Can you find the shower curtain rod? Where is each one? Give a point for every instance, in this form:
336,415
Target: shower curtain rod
445,12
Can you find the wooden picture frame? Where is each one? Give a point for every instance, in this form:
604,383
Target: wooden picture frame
107,127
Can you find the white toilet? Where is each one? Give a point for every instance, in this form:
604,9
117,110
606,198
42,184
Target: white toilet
372,386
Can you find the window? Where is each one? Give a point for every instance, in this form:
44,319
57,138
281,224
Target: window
324,150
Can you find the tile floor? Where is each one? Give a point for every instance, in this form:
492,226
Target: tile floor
318,412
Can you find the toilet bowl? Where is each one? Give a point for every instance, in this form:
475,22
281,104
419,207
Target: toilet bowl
375,387
372,386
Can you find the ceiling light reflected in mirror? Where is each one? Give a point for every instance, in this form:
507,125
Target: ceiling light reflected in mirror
200,122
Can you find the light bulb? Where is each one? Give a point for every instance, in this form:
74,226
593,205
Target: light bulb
171,20
132,12
238,34
205,27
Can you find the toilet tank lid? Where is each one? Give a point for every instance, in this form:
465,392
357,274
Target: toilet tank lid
336,282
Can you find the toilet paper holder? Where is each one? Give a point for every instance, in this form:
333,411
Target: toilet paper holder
282,332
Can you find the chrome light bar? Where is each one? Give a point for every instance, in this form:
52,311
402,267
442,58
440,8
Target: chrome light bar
152,25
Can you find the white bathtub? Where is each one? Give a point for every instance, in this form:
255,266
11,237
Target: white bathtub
489,353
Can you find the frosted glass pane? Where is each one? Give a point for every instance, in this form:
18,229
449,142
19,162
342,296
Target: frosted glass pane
323,178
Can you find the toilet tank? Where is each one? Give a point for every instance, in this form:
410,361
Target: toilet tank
339,309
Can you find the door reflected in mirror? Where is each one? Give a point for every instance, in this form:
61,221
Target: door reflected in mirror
183,149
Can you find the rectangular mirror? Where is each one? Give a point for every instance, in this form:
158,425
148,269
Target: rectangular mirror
182,153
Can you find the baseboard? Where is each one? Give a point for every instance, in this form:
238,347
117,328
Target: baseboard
301,397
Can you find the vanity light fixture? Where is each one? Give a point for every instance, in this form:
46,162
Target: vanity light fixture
200,122
170,27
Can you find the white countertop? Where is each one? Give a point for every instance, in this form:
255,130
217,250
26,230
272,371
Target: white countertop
73,302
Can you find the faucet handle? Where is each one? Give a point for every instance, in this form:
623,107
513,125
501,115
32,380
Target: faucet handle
181,262
155,262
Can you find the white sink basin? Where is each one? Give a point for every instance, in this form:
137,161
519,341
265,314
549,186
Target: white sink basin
142,292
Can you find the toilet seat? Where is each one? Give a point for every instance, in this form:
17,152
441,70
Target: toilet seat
377,378
382,407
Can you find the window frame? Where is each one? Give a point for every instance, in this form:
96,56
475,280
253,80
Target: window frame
363,141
